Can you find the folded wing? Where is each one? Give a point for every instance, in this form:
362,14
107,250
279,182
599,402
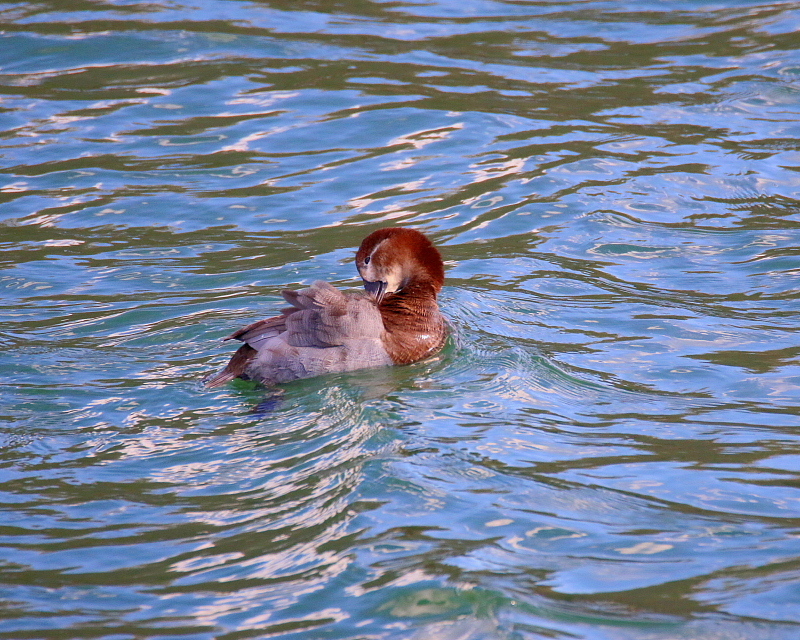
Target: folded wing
325,330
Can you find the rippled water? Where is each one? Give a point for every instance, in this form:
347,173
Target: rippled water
609,446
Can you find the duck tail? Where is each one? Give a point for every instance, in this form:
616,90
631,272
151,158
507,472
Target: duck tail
217,379
234,369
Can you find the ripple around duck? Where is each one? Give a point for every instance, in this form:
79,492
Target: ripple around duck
197,484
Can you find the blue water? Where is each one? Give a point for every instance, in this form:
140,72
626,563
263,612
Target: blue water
607,449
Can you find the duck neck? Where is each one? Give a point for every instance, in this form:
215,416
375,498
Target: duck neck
413,298
414,326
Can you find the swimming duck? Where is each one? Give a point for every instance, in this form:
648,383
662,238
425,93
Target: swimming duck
395,321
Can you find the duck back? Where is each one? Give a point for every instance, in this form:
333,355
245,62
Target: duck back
324,331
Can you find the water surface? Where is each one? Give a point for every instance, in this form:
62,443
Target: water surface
608,447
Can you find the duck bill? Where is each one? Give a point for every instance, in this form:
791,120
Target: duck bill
376,289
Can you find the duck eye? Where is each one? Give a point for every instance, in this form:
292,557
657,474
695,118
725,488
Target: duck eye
366,260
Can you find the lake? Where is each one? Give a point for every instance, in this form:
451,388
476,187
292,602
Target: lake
608,448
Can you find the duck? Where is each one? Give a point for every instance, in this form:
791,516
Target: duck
394,320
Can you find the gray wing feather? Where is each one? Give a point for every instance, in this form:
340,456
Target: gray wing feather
325,330
325,317
259,332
